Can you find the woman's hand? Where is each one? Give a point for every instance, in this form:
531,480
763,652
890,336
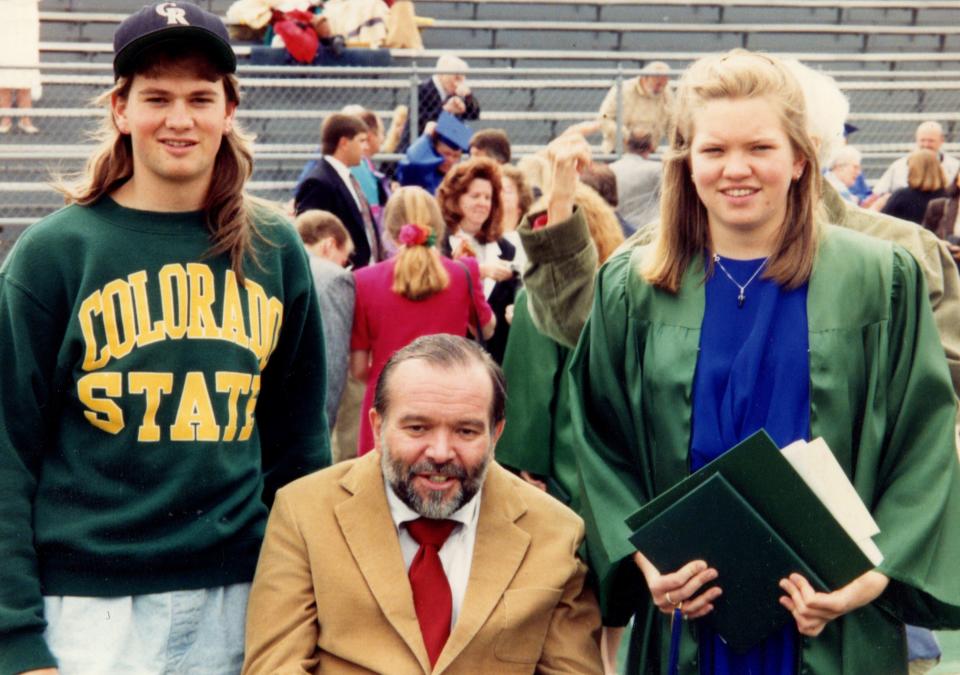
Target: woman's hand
679,589
812,610
497,270
569,154
463,250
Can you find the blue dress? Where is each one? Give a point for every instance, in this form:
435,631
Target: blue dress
752,372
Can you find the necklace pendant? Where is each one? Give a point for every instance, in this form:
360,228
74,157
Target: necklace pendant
740,299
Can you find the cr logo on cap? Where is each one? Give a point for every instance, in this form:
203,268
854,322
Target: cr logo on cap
175,15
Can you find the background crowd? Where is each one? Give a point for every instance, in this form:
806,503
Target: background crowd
605,291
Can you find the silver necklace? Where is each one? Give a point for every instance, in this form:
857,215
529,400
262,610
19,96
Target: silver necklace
742,296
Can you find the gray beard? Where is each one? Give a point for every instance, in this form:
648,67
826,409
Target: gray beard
400,479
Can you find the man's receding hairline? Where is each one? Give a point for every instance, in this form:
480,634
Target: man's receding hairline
468,362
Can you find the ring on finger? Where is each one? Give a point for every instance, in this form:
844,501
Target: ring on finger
670,600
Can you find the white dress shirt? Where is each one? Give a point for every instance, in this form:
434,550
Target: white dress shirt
440,90
344,172
486,253
456,555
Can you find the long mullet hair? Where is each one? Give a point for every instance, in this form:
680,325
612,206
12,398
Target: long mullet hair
229,210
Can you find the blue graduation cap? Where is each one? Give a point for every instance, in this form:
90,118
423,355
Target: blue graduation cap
453,132
419,165
849,129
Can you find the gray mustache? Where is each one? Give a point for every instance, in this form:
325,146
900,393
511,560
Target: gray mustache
448,470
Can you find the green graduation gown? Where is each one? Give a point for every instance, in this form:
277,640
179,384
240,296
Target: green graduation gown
881,397
538,436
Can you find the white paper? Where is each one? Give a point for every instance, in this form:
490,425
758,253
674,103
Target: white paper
821,471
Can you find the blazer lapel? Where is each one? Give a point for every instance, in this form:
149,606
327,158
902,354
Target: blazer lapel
497,553
368,529
346,195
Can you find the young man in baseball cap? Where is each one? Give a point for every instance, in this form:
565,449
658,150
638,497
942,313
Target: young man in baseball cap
163,374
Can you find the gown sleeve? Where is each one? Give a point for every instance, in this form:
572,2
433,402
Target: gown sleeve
605,393
917,477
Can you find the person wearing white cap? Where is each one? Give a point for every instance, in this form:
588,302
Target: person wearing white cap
164,375
646,103
447,91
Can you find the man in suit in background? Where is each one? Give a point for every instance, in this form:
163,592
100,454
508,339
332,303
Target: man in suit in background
424,556
331,187
445,91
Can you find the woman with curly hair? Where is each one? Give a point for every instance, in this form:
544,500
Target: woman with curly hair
417,292
470,199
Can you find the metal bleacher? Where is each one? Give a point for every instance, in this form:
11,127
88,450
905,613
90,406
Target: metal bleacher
536,66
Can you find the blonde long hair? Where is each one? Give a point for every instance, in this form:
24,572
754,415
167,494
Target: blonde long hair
684,234
602,223
228,209
418,272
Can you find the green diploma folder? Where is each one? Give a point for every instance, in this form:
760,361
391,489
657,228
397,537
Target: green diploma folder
752,517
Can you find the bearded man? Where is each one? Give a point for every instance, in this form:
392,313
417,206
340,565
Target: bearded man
424,556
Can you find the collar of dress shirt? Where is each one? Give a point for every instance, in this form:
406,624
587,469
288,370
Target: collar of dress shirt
440,90
342,169
344,172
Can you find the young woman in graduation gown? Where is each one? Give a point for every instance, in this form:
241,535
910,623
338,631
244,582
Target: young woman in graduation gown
748,312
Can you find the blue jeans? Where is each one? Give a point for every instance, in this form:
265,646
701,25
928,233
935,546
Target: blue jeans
199,632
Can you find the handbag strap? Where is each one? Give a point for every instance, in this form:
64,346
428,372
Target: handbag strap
473,305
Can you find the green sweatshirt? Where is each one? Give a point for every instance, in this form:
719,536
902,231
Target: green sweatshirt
133,363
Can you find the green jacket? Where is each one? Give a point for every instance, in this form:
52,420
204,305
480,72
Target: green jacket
538,436
563,262
881,397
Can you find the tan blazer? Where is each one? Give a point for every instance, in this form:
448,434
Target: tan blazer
331,594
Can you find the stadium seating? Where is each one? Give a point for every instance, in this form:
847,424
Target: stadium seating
899,61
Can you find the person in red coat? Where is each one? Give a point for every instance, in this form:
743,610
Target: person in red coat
417,293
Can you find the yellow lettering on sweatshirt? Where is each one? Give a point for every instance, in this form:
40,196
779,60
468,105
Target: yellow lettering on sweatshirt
153,386
118,318
232,384
147,331
122,316
231,325
102,413
195,419
175,308
93,358
202,294
251,407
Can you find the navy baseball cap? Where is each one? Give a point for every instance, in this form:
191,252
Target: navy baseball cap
169,21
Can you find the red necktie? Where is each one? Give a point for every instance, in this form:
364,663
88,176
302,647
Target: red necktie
432,599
